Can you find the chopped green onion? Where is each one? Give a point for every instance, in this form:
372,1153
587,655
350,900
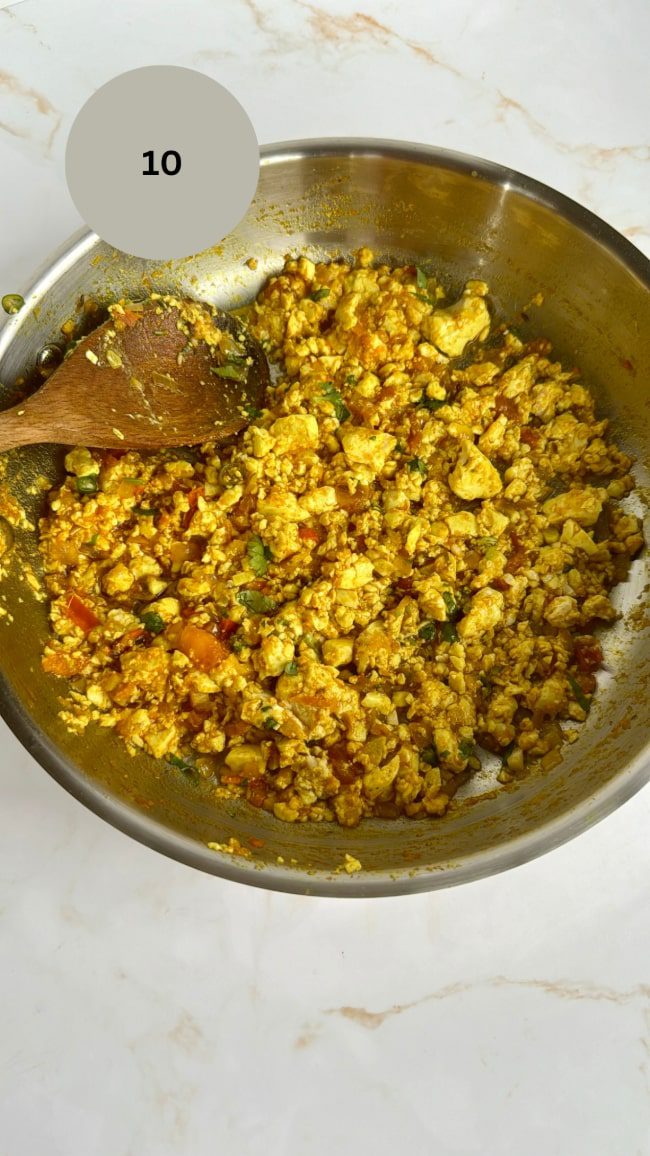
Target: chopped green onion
431,403
88,484
12,302
257,602
428,631
91,542
252,412
145,511
350,379
291,668
152,622
450,603
578,693
448,632
320,294
421,278
466,748
182,764
429,755
331,394
271,724
230,371
417,465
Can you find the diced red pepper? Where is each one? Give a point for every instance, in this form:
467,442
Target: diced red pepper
193,498
530,436
80,614
589,655
309,534
128,640
226,627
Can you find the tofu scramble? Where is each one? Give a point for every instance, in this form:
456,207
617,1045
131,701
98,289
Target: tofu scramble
400,562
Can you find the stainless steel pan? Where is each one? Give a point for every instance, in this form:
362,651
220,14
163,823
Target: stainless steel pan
470,218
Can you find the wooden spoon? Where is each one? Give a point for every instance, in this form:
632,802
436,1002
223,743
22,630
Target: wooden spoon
164,372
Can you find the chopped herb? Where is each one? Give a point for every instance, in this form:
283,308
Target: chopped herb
400,448
450,603
91,542
88,484
291,668
237,644
257,602
445,754
578,693
230,371
12,302
320,294
252,412
144,511
421,278
466,748
182,764
152,622
331,394
270,724
448,632
429,755
431,403
132,481
311,641
350,379
416,465
486,544
259,555
428,631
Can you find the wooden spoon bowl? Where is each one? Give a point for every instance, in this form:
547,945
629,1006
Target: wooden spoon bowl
165,372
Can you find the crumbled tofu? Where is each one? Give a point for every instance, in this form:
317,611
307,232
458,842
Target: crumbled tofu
474,476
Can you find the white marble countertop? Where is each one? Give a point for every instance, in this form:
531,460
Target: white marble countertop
151,1011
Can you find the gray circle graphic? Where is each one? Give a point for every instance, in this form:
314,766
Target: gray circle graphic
162,162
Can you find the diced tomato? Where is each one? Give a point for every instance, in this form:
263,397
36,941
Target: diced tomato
180,552
79,613
235,729
193,498
318,701
205,651
507,406
589,654
530,436
309,534
129,317
226,627
131,638
256,842
587,682
256,793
